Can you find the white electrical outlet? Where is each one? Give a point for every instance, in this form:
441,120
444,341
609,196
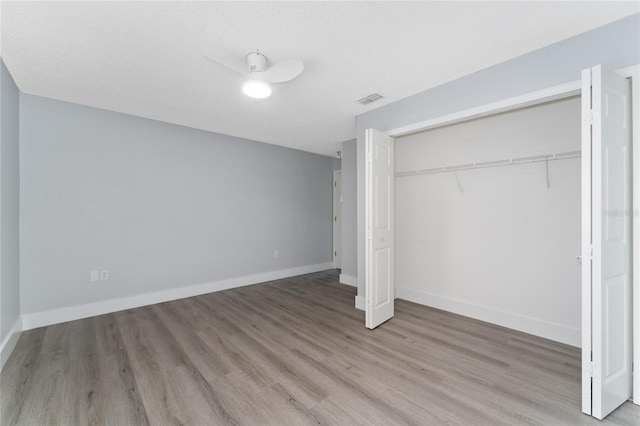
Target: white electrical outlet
104,274
94,276
276,253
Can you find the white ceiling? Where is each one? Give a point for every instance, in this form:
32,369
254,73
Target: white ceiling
146,58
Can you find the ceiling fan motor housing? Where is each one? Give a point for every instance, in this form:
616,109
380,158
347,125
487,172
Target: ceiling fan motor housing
257,62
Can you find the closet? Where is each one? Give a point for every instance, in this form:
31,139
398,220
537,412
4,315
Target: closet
487,219
522,213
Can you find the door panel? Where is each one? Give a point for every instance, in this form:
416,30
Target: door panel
381,277
379,202
607,351
614,325
382,188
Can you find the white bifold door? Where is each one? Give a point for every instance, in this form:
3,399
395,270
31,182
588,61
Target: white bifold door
379,247
606,241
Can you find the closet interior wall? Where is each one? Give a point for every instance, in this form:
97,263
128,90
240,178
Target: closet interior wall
500,243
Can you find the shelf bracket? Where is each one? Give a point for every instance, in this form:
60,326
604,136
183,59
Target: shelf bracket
546,162
459,182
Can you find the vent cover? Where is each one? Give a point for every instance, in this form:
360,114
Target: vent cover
371,98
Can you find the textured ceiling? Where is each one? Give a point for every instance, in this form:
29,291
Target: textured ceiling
146,58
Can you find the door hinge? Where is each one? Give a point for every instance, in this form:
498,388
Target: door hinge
589,117
369,157
335,253
589,252
368,235
591,368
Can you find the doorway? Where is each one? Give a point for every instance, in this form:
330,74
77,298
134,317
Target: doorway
488,219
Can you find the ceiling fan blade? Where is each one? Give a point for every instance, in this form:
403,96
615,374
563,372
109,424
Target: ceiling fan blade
226,68
283,71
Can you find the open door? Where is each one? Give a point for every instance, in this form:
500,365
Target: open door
379,247
606,241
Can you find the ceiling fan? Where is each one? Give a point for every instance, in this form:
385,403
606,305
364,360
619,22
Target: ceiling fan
260,77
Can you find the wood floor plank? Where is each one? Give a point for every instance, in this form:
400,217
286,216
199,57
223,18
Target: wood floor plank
290,352
117,395
43,404
17,376
200,354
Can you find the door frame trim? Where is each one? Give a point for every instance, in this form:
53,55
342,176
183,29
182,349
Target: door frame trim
635,108
337,245
560,91
585,229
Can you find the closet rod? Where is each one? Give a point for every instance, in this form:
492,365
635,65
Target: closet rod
495,163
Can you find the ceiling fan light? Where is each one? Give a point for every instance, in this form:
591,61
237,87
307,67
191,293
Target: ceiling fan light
256,89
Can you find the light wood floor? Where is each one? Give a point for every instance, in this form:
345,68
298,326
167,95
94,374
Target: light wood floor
290,352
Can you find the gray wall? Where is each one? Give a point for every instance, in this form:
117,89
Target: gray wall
159,205
9,203
615,45
349,217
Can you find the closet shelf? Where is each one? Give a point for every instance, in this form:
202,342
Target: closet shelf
494,163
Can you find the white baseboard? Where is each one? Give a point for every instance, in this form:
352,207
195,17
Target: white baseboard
41,319
349,280
353,281
9,343
558,332
360,302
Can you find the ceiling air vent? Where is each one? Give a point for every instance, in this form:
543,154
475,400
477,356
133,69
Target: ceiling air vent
371,98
